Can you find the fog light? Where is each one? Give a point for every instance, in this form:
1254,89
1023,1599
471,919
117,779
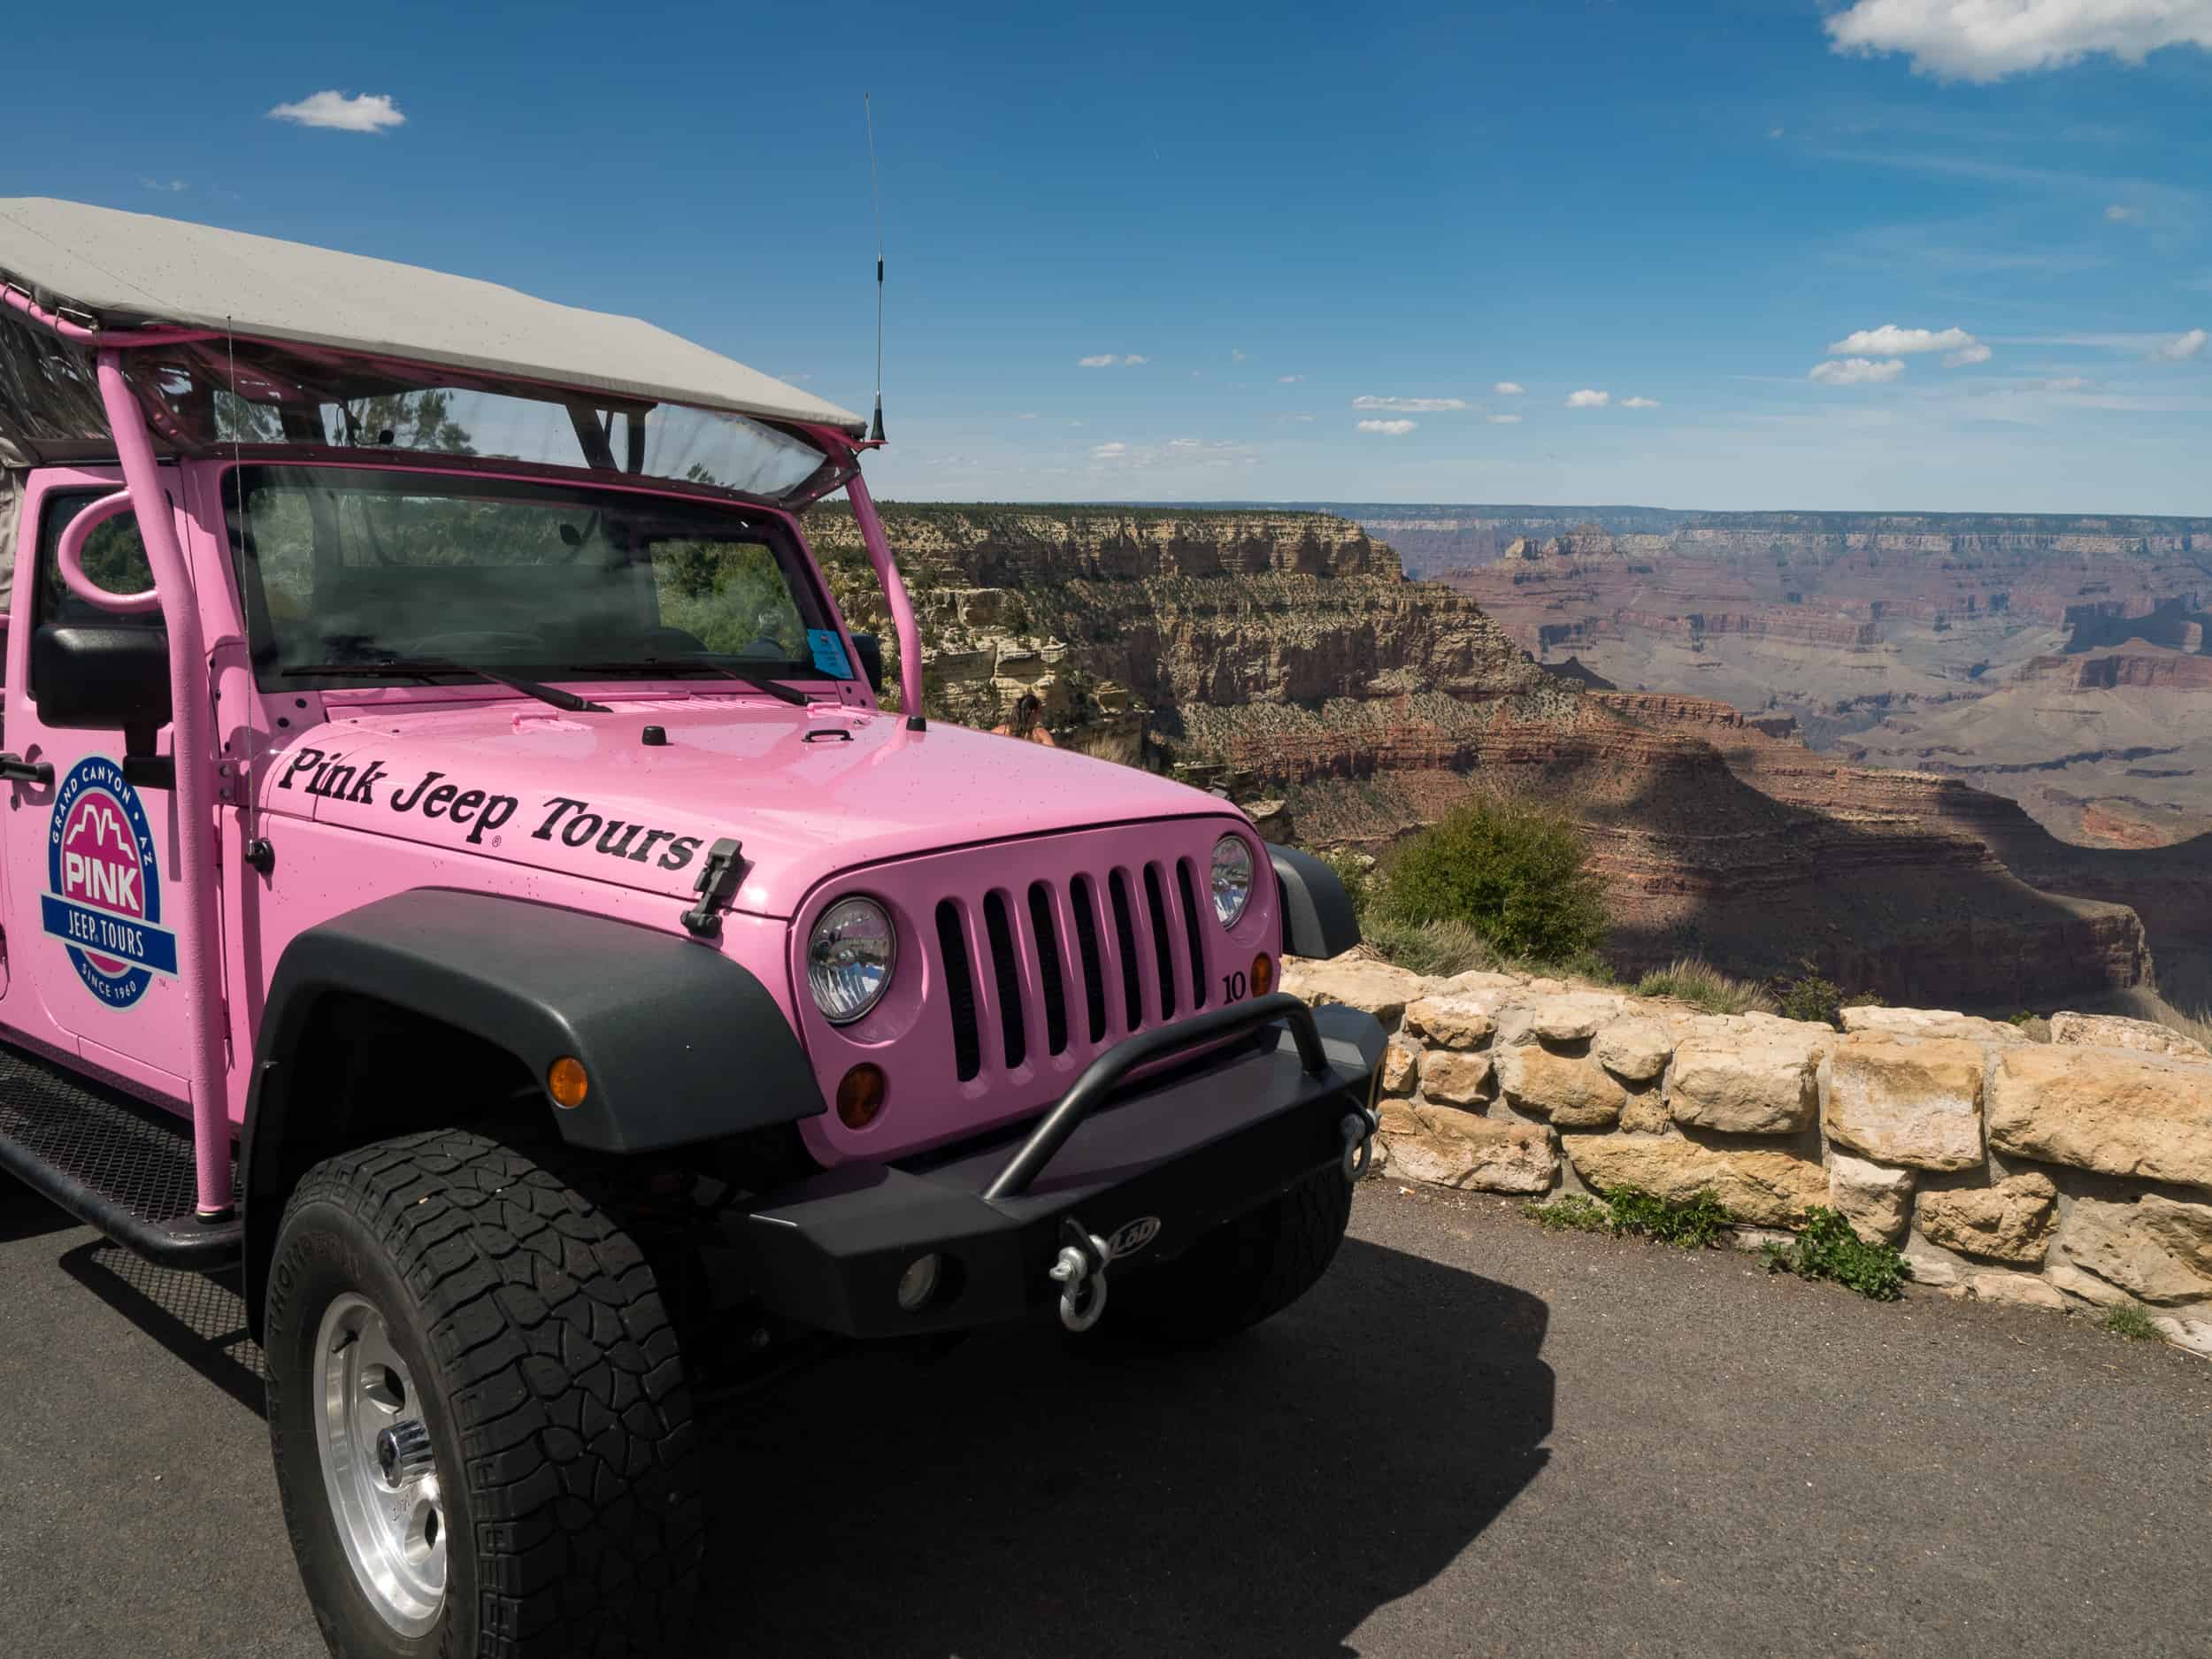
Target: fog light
566,1081
860,1096
918,1283
1263,974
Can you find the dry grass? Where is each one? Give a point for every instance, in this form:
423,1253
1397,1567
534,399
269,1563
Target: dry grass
1702,985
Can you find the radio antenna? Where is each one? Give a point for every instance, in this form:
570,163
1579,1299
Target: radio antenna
875,188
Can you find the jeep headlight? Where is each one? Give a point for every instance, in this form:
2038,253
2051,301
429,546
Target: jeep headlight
1231,879
849,957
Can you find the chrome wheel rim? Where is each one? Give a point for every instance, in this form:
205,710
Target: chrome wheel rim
378,1469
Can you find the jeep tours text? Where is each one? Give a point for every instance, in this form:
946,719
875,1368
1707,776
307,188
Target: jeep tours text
460,880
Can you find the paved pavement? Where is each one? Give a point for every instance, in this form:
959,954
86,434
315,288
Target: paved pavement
1474,1438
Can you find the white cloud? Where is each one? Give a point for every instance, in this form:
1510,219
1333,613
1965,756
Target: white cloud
1509,388
1588,399
1987,40
1028,414
1856,372
1965,357
1235,356
173,188
1890,340
1108,360
1410,405
1295,417
1133,359
1640,403
1389,429
1503,420
1108,451
2181,347
1288,380
344,112
1176,454
2119,213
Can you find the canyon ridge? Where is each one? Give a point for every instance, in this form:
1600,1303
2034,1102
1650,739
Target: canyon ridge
1287,657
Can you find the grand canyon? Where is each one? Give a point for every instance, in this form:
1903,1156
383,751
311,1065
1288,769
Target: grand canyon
1763,724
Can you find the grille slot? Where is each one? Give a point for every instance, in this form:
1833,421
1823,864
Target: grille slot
1162,947
952,945
1125,938
1189,886
1047,938
1084,903
1007,972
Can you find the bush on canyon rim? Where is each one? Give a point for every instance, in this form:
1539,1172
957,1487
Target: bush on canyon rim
1514,873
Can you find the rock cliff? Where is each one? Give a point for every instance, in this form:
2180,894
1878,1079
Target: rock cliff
1284,655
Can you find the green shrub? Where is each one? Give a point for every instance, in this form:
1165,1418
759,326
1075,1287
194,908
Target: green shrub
1434,947
1515,874
1693,1224
1826,1247
2126,1319
1702,985
1811,996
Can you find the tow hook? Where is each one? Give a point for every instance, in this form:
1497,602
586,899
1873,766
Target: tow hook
1080,1272
1359,1128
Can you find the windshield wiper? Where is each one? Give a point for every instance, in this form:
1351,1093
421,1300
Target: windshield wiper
662,664
412,668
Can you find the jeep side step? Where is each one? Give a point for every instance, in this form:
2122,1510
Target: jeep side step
115,1164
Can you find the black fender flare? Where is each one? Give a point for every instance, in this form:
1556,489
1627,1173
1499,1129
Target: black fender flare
680,1044
1317,916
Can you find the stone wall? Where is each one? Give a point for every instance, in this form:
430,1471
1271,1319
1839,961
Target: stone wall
2075,1172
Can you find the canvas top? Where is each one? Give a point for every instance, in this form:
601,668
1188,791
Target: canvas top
133,268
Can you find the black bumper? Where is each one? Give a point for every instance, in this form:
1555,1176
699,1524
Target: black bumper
1191,1151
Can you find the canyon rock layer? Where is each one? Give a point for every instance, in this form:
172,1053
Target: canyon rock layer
1285,657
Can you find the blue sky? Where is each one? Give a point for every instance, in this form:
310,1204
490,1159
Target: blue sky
1266,216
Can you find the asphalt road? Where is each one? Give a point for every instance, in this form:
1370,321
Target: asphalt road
1473,1438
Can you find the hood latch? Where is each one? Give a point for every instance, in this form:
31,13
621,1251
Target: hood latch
717,887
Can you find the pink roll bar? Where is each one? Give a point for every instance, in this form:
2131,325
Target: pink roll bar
199,965
903,623
69,560
77,333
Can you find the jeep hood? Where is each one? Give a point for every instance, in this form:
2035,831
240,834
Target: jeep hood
808,792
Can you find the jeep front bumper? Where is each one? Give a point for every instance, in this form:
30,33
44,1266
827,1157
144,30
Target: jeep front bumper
1197,1146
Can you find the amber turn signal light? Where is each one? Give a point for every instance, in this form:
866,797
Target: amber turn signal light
566,1081
1263,974
860,1096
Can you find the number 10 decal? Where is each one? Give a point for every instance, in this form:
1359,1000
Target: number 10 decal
1232,987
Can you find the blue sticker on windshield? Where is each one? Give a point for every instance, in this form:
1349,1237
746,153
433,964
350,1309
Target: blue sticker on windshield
829,653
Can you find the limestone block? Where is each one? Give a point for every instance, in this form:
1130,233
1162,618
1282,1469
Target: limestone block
2024,1289
1936,1272
2010,1222
1373,988
1573,1091
1636,1049
1874,1198
2193,1334
2113,1111
1401,1068
1571,1018
1645,1112
1458,1080
1928,1022
2109,1031
1759,1081
1452,1021
1480,1154
1480,982
1768,1189
1398,1118
2088,1287
1916,1103
2156,1247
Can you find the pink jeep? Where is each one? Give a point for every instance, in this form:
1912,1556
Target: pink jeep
466,885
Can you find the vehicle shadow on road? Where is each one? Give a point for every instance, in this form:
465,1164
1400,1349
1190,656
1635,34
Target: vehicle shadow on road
199,1319
1025,1495
25,1215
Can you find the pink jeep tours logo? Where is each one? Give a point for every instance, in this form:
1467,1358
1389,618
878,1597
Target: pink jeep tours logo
103,886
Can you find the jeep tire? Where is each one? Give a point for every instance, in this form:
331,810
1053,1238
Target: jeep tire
527,1414
1245,1271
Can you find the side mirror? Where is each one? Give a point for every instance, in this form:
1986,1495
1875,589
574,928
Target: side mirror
870,650
102,677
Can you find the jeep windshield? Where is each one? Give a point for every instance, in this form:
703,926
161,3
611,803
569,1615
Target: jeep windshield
385,576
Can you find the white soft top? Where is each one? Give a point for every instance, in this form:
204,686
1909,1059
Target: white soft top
125,268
